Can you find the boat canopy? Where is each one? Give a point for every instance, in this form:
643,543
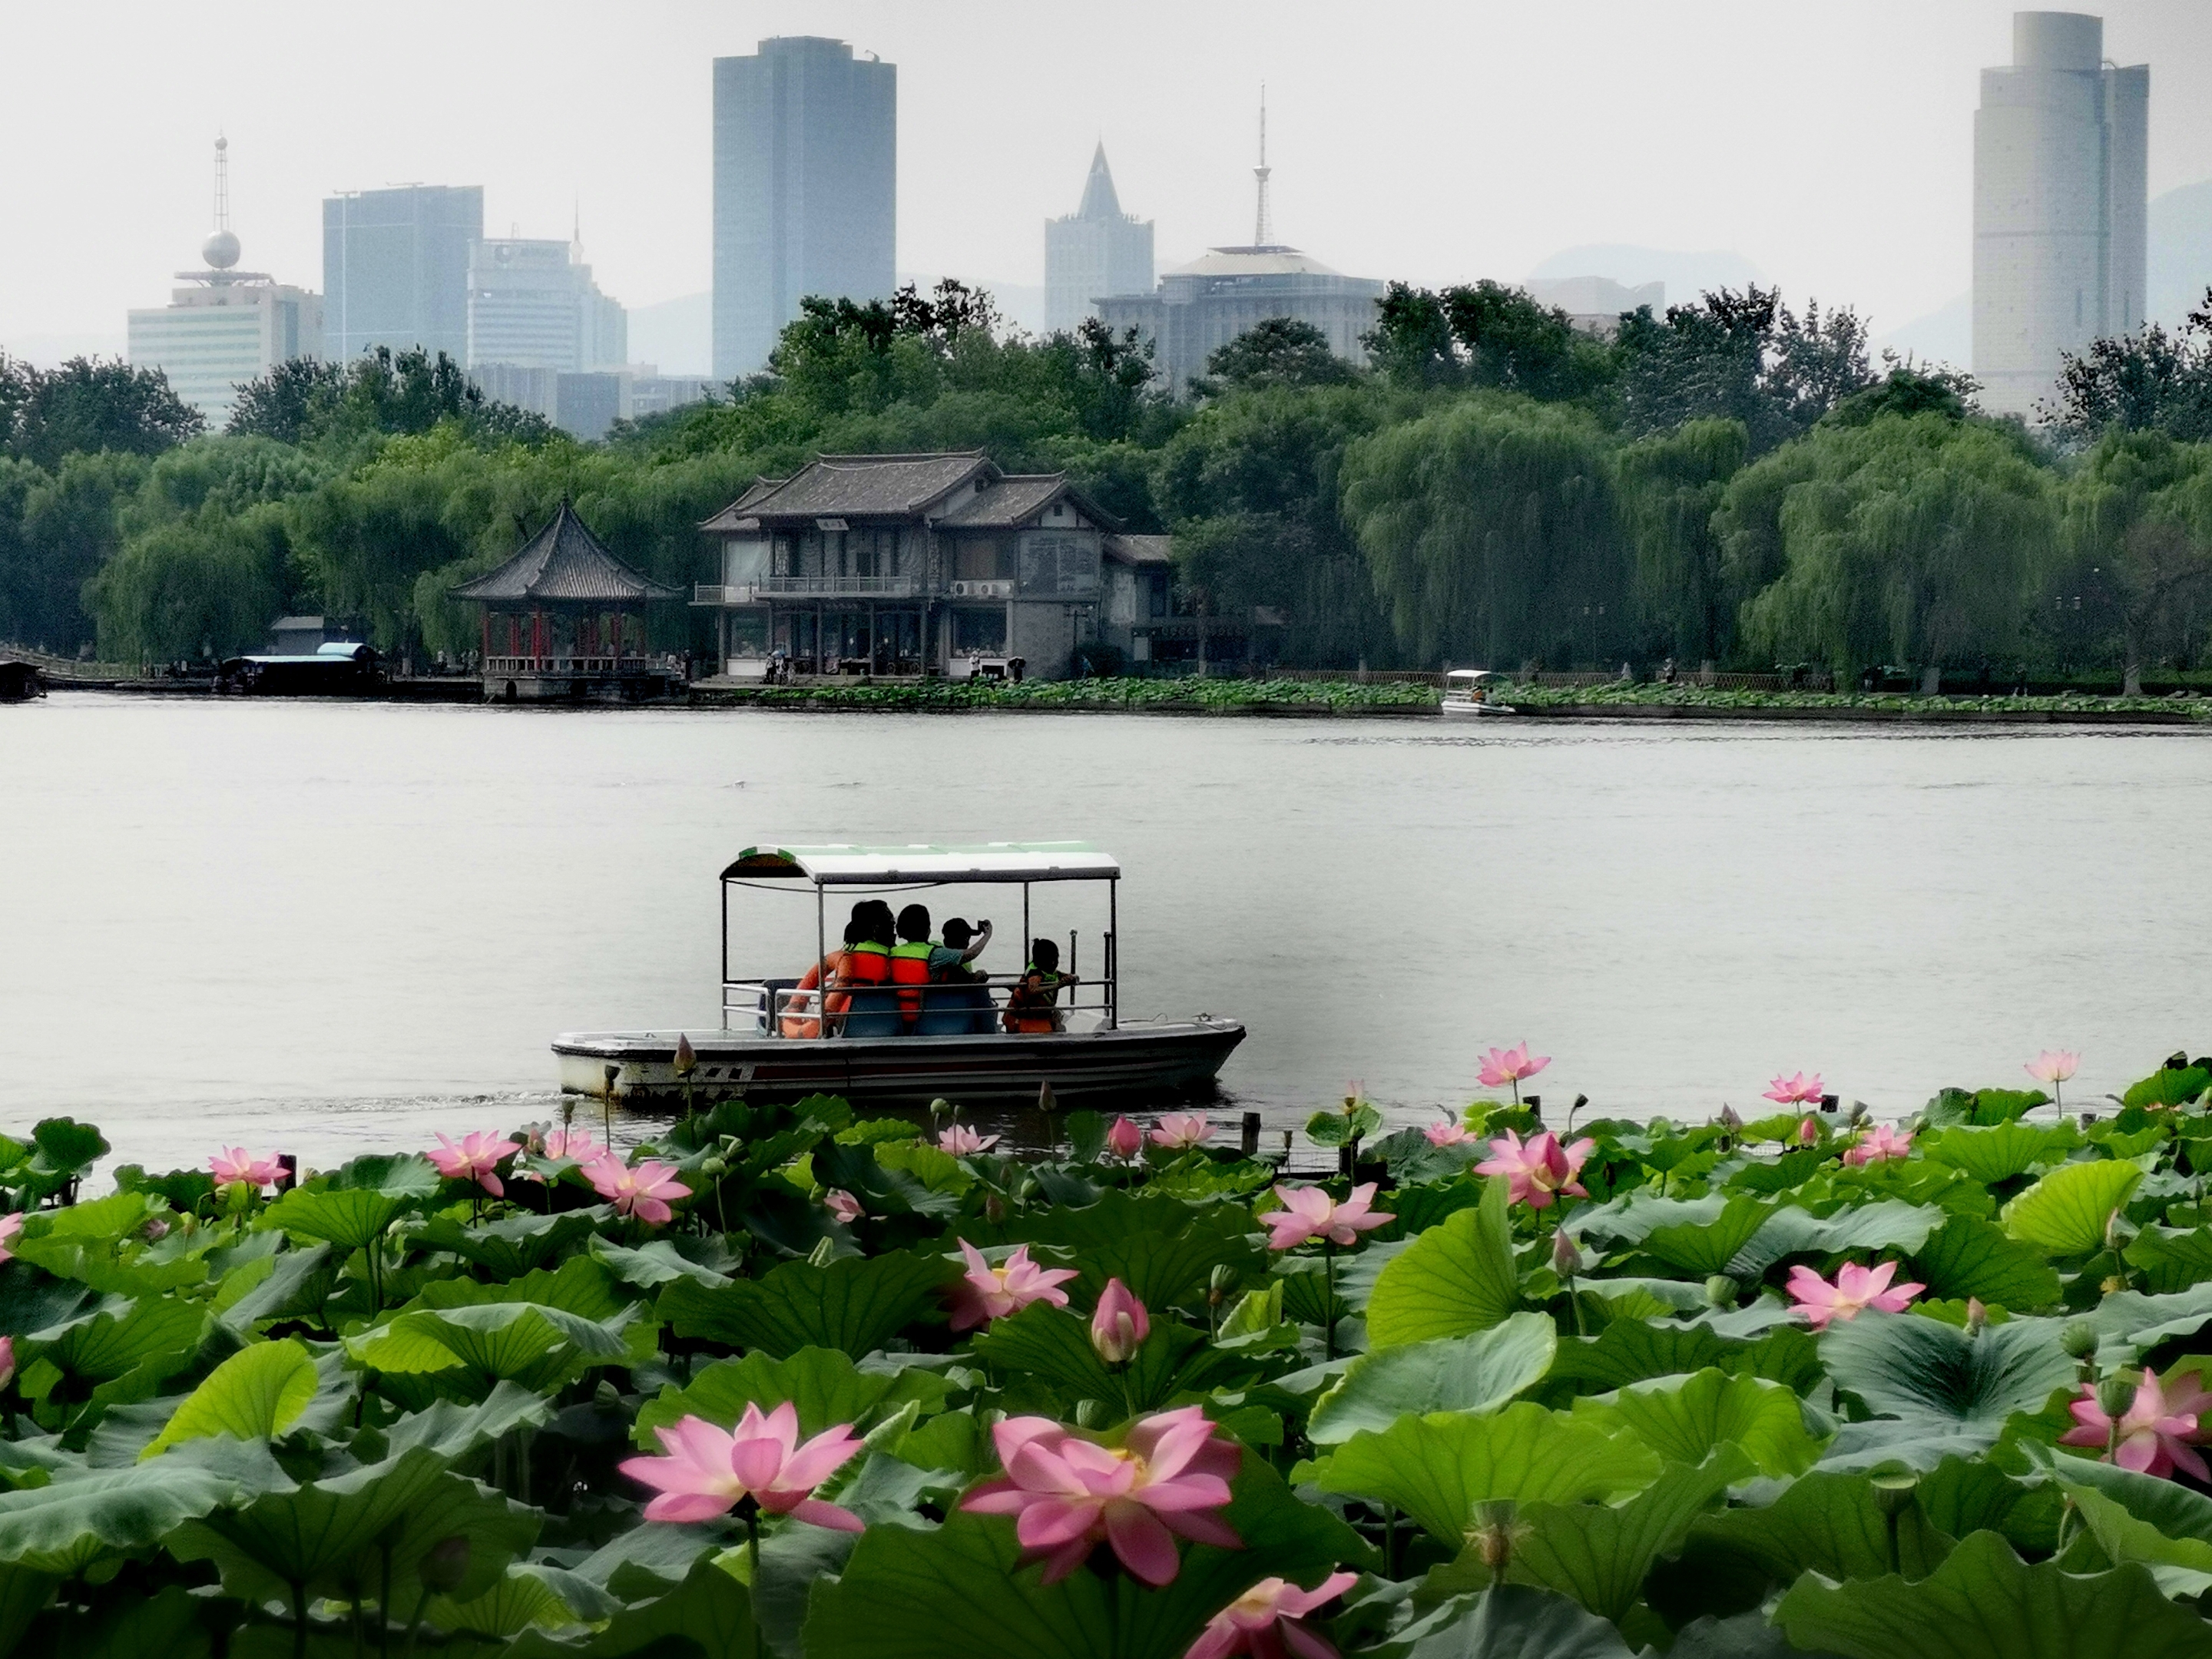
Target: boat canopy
838,865
1470,674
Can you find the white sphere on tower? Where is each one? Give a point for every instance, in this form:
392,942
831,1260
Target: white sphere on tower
220,250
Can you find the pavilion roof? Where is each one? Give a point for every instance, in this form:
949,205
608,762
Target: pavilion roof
564,562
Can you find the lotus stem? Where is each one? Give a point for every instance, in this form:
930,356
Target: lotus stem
1328,1297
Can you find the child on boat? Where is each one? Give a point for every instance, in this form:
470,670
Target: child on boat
1030,1009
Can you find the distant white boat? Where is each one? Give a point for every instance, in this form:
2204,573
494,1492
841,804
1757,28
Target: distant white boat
1466,693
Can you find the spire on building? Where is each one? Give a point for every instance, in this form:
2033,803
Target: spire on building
1099,199
1263,233
220,250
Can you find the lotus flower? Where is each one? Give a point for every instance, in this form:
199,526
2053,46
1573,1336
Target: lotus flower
1263,1621
961,1141
1809,1132
1067,1493
1119,1325
7,1360
843,1208
1878,1144
1125,1139
1503,1065
985,1292
1540,1168
1180,1131
1856,1288
2053,1065
1310,1212
10,1224
1796,1090
1566,1255
2154,1432
576,1145
709,1471
643,1192
234,1166
477,1158
1449,1133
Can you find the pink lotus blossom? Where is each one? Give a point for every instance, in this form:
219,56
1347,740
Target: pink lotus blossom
1067,1493
1856,1288
1540,1168
576,1145
1796,1090
156,1227
7,1360
1125,1139
2053,1065
643,1192
2154,1432
709,1471
844,1208
961,1141
10,1224
1263,1622
1180,1131
1310,1212
477,1158
1877,1145
1809,1132
234,1166
1119,1325
1449,1133
985,1292
1503,1065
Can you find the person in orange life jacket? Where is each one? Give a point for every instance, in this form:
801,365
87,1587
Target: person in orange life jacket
1029,1008
799,1019
868,964
958,1005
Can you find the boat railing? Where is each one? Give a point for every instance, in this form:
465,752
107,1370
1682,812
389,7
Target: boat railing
767,1007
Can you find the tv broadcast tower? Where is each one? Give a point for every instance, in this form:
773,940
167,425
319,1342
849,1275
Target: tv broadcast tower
1262,232
220,249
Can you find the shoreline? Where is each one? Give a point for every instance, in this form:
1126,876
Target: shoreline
1320,700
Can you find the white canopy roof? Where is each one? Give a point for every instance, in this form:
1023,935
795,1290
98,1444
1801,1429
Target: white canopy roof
838,866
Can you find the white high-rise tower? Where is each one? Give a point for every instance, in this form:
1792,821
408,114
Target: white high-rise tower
1095,251
2060,196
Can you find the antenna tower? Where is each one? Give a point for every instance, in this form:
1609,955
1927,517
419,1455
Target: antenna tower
1262,232
222,183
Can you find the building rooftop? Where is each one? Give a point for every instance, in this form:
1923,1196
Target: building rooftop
1141,551
865,486
1274,261
564,562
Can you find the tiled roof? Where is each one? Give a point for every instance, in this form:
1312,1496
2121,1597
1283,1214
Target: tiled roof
1010,501
565,561
1140,549
855,486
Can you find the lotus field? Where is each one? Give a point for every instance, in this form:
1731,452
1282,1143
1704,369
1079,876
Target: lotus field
786,1382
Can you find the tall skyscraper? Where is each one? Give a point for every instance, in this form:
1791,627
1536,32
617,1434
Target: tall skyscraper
805,188
533,303
396,269
2060,194
1095,251
229,326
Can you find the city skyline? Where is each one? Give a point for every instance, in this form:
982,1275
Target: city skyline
1860,192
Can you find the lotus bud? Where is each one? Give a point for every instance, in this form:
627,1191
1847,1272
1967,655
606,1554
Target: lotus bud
1978,1317
2079,1339
1047,1103
1893,1489
713,1168
1731,1120
1809,1132
1722,1291
7,1360
1566,1255
446,1564
1125,1139
995,1209
2114,1395
1120,1326
606,1395
1219,1283
939,1107
687,1057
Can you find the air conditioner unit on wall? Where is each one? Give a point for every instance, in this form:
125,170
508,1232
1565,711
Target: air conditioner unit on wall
983,590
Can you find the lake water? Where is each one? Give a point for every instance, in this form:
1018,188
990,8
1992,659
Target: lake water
320,928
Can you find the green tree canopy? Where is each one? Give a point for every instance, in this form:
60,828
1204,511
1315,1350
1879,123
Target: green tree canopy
2153,380
1281,351
87,405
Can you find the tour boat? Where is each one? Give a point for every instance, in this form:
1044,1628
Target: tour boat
886,1046
1466,692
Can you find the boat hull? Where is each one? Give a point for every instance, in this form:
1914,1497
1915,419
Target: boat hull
1472,710
1134,1064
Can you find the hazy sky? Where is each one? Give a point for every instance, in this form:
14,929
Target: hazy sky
1830,144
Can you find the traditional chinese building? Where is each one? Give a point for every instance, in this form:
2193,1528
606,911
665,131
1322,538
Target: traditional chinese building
564,620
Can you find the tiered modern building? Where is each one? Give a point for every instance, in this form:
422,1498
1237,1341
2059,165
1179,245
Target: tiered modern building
805,188
227,326
1096,249
2060,199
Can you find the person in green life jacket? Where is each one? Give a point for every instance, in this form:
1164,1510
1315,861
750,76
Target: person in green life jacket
958,1005
1029,1006
910,963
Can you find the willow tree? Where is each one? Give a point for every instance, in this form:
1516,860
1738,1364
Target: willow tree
1905,540
1489,527
2136,545
1670,486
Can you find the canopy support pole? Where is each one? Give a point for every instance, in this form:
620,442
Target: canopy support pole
821,967
1113,956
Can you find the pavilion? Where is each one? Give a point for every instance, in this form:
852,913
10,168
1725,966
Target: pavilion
564,621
